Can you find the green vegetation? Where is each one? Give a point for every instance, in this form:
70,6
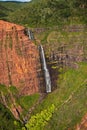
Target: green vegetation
44,13
9,96
25,101
55,38
28,101
5,95
69,99
38,121
69,102
7,7
7,119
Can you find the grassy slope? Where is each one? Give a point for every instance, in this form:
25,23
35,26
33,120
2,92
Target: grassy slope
6,119
26,102
69,99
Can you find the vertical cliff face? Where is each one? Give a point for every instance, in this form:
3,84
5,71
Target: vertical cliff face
18,59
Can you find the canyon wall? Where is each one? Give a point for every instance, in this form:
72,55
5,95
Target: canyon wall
65,47
19,59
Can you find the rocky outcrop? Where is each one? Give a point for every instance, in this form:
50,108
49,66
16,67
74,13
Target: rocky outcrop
18,59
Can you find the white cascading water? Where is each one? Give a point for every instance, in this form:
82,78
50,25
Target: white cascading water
46,72
29,34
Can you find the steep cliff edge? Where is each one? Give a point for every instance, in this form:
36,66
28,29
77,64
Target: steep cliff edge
18,59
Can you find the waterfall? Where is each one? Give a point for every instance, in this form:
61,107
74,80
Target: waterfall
46,72
30,34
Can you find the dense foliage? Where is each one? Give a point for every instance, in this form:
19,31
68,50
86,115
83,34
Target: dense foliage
50,12
41,119
6,119
7,7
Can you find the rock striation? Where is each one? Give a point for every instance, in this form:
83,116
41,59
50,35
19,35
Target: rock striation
18,59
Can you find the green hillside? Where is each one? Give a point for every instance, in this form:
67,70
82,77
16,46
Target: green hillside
69,102
65,24
6,119
7,7
40,13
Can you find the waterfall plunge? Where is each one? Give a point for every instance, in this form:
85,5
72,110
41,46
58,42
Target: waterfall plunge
46,72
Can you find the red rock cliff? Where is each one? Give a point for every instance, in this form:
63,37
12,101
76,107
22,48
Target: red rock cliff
18,58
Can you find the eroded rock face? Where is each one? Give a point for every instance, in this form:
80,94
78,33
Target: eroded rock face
18,59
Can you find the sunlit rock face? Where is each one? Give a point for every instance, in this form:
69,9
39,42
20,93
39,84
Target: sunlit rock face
18,58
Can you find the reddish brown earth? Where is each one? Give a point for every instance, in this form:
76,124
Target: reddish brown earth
18,59
83,124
